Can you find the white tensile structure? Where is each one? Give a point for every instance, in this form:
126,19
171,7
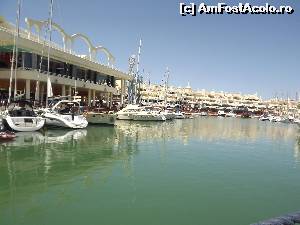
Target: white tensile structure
68,40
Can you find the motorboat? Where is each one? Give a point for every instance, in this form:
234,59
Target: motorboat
188,115
148,115
101,117
264,118
230,114
127,112
21,117
246,115
65,113
203,114
179,115
276,119
167,113
221,113
291,119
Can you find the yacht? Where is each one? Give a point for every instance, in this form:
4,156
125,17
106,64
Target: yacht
221,113
65,113
167,113
108,118
297,121
20,116
203,114
264,118
230,114
148,115
127,112
276,119
179,115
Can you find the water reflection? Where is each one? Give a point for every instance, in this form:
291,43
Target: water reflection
37,160
297,149
58,167
209,129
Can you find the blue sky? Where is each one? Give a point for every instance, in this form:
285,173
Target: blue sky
233,53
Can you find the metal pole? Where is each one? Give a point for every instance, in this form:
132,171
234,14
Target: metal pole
49,43
13,59
18,33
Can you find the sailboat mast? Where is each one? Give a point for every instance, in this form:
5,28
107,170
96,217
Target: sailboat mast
166,83
18,33
138,57
137,73
49,43
14,58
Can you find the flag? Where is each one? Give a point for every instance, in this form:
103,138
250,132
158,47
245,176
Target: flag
49,88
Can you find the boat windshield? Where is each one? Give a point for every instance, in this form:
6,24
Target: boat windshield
67,108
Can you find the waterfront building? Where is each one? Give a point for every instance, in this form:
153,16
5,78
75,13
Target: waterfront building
159,94
70,73
186,95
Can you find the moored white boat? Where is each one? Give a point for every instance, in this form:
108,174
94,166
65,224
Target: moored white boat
65,113
101,118
168,114
297,121
203,114
221,113
20,116
127,112
179,115
147,115
230,114
264,118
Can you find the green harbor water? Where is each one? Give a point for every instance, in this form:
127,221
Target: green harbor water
208,171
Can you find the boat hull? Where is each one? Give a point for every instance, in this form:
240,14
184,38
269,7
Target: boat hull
24,124
67,121
101,118
124,116
138,117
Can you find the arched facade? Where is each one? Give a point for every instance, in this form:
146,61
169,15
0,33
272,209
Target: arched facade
86,40
68,40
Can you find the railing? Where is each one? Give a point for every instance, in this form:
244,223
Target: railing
68,77
288,219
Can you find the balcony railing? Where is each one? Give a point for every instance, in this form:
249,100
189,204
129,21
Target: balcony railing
103,82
